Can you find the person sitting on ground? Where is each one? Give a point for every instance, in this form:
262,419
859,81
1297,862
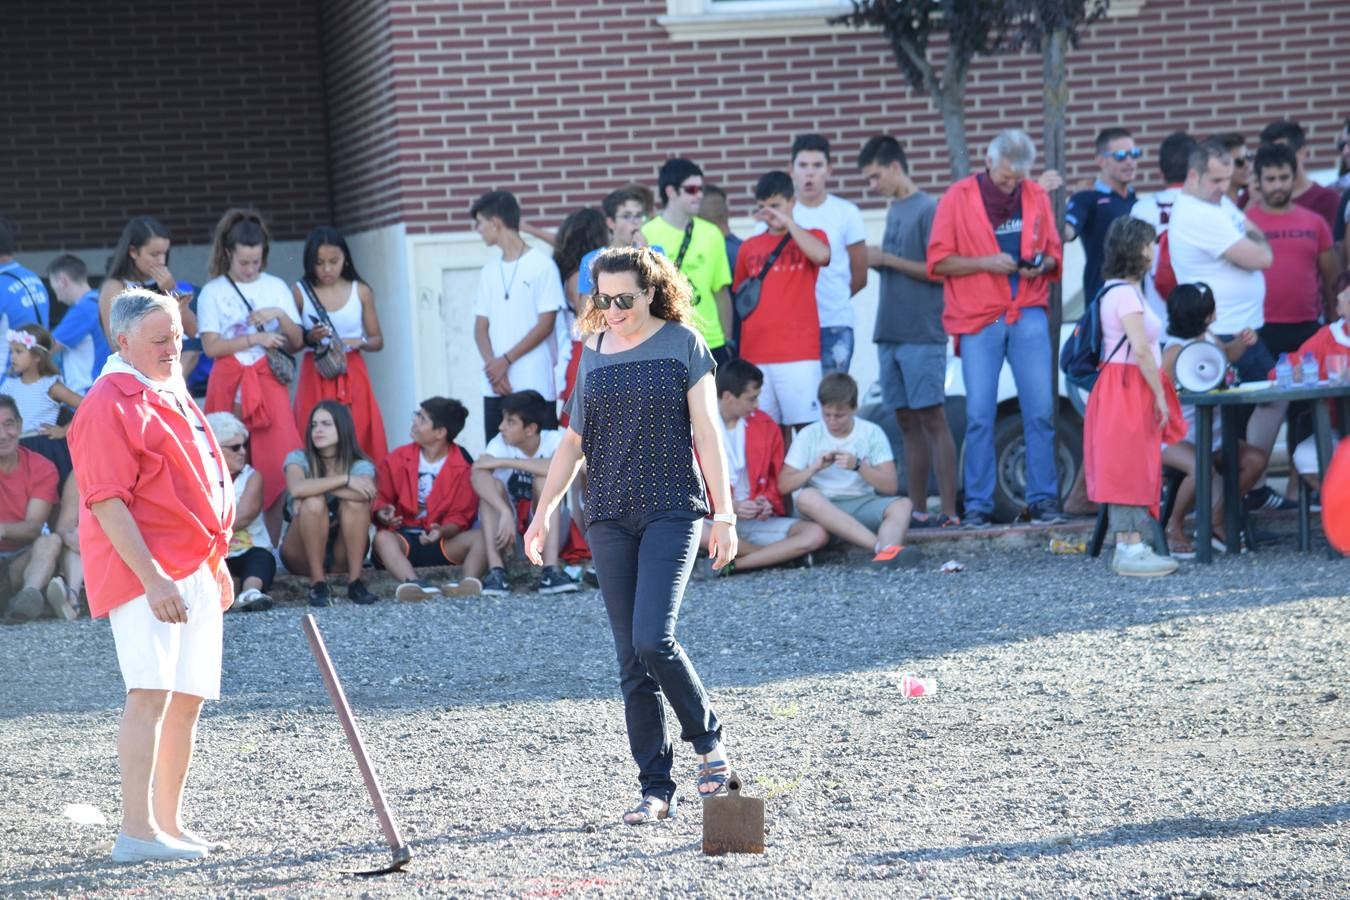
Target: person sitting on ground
754,444
425,506
1132,409
843,471
29,558
507,478
251,557
330,485
1190,313
1329,340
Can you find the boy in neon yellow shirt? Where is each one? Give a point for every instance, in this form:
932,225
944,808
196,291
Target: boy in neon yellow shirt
698,249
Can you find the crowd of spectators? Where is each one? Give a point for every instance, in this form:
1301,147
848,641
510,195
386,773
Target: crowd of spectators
1240,248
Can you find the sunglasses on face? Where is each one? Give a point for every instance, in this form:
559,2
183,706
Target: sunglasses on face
692,190
1122,155
1241,161
622,301
233,448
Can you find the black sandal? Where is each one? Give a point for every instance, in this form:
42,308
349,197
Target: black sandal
645,812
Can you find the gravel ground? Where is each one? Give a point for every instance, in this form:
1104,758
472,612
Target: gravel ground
1091,735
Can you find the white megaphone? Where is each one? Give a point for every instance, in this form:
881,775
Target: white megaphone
1200,367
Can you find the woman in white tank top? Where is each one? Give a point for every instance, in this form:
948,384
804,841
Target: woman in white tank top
335,304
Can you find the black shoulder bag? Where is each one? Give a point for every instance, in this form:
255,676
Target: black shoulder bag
279,361
746,298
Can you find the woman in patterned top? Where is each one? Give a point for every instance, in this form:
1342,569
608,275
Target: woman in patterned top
644,384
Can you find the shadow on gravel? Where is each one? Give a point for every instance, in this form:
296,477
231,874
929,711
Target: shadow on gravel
1127,836
748,630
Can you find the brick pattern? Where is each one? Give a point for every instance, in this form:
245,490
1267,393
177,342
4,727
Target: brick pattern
561,100
363,142
115,109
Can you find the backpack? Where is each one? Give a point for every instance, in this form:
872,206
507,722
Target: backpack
1164,277
1081,356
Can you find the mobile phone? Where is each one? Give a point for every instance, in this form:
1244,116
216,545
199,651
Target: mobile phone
1033,263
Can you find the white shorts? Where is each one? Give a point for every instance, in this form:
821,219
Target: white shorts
1305,454
789,392
760,532
160,656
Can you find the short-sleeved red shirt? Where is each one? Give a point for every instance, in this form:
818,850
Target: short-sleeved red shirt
34,477
1297,237
785,327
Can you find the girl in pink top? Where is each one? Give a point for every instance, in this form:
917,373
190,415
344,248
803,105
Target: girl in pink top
1132,410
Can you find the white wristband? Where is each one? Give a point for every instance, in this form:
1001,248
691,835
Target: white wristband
725,518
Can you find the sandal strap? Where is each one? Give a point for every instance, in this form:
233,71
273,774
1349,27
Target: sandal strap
719,765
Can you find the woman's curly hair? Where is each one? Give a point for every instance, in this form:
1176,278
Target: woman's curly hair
670,289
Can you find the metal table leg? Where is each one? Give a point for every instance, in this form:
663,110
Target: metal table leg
1232,509
1204,469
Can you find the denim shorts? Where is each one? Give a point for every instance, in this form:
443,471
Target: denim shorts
913,376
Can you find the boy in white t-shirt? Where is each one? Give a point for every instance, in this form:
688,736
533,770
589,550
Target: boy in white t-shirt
843,471
507,477
519,295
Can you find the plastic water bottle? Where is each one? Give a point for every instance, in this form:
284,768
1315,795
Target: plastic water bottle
1284,372
1310,370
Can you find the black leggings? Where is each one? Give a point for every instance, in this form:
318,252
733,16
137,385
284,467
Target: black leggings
254,562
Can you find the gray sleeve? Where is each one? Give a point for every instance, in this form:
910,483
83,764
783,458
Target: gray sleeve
575,407
700,358
363,468
296,458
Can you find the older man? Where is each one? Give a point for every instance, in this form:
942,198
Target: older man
28,558
996,246
157,490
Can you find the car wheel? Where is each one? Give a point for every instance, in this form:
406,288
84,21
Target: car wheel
1010,465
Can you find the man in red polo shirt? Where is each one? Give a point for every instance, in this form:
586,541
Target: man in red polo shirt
995,244
160,511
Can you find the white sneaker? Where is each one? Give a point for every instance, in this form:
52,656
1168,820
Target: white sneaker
131,850
58,598
415,590
1144,565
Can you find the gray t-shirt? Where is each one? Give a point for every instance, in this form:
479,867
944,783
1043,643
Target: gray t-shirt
909,311
297,458
631,409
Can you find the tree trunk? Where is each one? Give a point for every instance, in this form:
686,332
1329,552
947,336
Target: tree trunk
950,99
1054,50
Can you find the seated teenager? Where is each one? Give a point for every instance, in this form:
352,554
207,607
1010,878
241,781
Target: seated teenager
330,485
844,474
754,446
28,557
1190,311
508,477
251,557
425,506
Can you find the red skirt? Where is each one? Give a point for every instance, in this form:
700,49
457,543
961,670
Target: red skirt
262,404
1122,443
351,389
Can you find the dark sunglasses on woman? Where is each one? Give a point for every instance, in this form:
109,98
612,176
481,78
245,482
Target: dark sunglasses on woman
622,301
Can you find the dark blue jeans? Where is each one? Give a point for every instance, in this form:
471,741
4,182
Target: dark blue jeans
643,564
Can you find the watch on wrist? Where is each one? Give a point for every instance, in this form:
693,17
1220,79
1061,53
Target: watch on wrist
725,518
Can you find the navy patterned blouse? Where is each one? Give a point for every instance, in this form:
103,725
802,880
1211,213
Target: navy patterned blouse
631,409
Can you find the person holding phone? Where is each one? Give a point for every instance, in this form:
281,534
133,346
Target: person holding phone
141,259
996,246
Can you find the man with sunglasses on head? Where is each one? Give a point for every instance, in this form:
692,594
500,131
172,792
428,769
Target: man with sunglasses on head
1090,213
699,251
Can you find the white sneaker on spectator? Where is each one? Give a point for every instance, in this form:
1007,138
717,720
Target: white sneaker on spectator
1143,564
410,591
58,598
130,850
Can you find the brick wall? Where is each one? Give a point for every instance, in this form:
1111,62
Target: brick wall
560,101
113,109
363,141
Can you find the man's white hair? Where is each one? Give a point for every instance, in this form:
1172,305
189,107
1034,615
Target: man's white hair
1013,147
133,305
